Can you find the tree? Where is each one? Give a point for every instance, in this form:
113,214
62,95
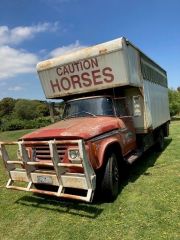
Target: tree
30,109
42,109
174,102
25,109
6,106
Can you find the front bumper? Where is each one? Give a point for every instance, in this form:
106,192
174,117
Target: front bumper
32,172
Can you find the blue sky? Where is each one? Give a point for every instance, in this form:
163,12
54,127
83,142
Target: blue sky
31,31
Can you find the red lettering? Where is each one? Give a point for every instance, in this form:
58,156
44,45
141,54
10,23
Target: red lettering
94,62
81,65
59,71
86,64
87,81
55,85
65,70
95,77
65,83
106,73
75,79
77,65
71,68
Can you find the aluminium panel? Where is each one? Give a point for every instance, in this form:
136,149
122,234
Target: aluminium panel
156,105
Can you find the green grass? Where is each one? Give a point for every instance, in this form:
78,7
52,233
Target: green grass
146,208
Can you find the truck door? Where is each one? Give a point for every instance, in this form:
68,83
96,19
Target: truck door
127,130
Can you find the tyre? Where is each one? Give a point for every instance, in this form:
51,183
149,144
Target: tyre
110,178
160,142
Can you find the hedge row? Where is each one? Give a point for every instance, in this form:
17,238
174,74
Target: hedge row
16,124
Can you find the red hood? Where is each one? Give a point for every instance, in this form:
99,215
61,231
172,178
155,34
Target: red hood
84,127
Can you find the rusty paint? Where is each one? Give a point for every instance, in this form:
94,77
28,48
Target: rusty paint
103,51
70,165
88,128
46,64
40,163
81,54
63,195
19,175
84,127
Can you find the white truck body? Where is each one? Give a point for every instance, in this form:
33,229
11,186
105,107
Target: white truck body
113,64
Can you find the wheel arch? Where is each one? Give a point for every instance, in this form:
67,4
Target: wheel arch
109,146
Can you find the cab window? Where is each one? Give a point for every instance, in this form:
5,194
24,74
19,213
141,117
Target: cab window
120,107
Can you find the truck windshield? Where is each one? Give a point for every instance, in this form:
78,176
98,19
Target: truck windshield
89,107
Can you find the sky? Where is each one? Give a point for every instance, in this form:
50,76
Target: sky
35,30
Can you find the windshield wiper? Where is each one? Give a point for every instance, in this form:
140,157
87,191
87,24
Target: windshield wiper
89,113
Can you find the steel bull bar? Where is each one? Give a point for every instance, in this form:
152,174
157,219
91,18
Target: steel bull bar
58,175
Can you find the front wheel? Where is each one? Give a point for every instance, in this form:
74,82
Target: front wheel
110,178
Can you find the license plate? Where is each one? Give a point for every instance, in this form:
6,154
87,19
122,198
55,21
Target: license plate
44,179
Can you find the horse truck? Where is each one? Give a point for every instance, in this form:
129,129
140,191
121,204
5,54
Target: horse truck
115,108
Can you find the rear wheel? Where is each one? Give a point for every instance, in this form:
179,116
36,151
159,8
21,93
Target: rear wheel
110,178
160,141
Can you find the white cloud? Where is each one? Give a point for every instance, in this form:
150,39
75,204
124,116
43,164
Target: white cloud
15,88
21,33
66,49
16,61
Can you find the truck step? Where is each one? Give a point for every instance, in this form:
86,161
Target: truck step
133,157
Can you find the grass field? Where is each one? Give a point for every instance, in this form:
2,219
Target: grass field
147,207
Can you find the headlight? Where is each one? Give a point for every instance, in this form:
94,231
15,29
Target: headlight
73,155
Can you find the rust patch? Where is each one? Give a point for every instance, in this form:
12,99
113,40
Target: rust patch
44,65
84,127
103,51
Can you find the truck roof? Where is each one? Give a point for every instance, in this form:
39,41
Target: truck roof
84,53
108,65
88,52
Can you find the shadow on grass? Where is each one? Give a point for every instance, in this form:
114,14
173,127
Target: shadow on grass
93,210
61,206
141,166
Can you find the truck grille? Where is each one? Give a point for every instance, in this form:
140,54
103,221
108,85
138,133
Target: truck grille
42,152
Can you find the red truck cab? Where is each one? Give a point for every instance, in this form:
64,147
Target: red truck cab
106,127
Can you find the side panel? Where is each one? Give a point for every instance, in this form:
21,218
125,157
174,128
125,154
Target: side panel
156,105
134,66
